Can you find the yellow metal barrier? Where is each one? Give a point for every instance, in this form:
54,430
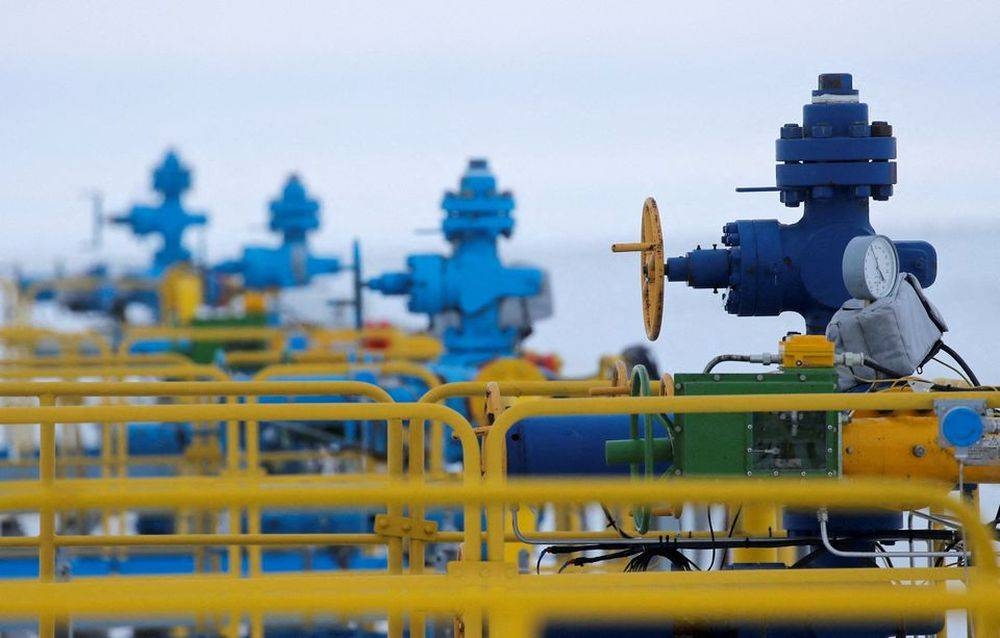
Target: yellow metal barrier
25,336
382,369
191,371
512,604
494,447
392,343
275,338
519,603
72,360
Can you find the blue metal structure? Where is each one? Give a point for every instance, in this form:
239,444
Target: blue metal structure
832,165
169,219
472,283
294,215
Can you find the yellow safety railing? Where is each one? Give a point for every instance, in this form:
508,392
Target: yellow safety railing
380,368
476,591
395,343
514,604
275,338
73,360
69,343
116,371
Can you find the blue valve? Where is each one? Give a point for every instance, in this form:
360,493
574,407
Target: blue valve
831,165
472,284
169,219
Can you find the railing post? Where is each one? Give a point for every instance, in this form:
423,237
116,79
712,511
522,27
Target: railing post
417,511
394,463
47,513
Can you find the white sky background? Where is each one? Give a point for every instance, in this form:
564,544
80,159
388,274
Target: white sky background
583,108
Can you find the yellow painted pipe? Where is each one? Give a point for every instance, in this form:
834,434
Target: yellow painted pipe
904,446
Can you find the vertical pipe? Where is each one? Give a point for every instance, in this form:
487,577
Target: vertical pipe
394,463
107,466
437,449
757,520
417,547
253,469
254,556
47,515
232,470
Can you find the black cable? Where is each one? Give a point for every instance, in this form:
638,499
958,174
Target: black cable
878,367
732,528
725,357
961,363
711,532
612,523
808,558
580,561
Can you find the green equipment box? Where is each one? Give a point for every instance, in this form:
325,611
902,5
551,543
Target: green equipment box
757,444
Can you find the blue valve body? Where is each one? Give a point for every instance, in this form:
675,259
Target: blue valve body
169,219
472,282
832,165
294,215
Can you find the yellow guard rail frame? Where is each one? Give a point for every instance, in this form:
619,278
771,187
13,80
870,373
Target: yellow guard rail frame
476,591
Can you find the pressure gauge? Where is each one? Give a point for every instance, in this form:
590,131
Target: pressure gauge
871,266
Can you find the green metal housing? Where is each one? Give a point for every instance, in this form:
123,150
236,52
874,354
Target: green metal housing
757,444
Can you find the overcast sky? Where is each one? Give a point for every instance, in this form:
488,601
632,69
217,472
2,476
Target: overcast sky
583,108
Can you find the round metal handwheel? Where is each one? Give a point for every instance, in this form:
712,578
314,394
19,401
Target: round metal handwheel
652,267
642,451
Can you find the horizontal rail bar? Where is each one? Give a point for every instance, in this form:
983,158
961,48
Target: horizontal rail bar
578,597
190,388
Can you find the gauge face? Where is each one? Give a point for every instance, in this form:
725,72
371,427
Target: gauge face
881,267
871,266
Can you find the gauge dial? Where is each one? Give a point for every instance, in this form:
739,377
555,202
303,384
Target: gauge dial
871,267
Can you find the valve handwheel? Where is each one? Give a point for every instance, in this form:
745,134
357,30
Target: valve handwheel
642,451
651,267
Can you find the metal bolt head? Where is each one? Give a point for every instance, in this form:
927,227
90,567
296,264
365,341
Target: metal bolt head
919,451
835,81
791,132
858,129
821,130
881,129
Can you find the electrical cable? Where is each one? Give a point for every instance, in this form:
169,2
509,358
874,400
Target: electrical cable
612,523
725,357
960,374
961,362
878,367
732,528
711,532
